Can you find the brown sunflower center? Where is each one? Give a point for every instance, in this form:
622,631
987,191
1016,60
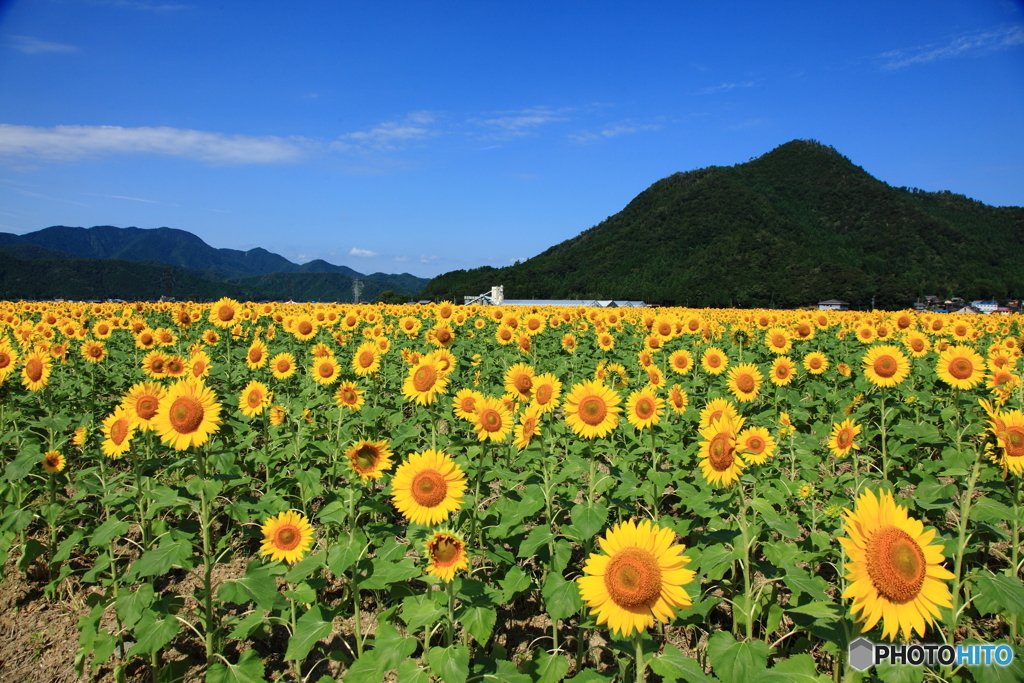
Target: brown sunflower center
225,313
52,460
349,396
284,365
755,444
443,335
96,351
366,458
814,362
885,366
778,341
720,452
175,366
366,359
543,394
424,378
305,327
645,408
119,431
445,551
287,537
523,383
782,371
254,398
961,368
325,370
896,564
429,488
745,383
186,414
255,354
680,362
1015,442
714,360
5,360
146,407
34,369
593,410
844,439
633,578
490,420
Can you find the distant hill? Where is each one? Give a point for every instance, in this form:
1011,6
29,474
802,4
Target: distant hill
797,225
191,260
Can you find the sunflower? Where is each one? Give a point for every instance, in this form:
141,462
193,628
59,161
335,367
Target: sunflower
528,427
885,366
678,399
277,415
755,444
643,408
255,398
53,462
348,396
8,359
444,359
441,335
720,463
188,414
256,356
638,580
547,389
428,487
714,360
175,366
154,364
94,351
366,360
142,401
745,382
282,366
592,409
118,429
446,551
211,338
816,362
569,342
369,459
199,364
286,537
895,572
1008,428
465,402
681,361
424,382
519,381
225,313
325,370
783,371
80,436
778,340
303,328
716,408
842,439
492,420
35,373
961,367
917,343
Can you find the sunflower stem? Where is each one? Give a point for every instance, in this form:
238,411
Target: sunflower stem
961,546
1015,551
885,452
745,563
206,524
640,665
450,631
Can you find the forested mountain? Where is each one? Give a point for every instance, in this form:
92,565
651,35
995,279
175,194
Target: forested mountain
131,263
797,225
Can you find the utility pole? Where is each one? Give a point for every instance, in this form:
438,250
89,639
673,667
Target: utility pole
357,289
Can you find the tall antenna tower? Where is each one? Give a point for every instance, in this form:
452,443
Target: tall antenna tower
357,289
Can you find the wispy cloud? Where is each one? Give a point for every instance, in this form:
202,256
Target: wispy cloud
725,87
749,123
511,124
402,258
35,46
389,135
68,143
428,259
610,132
972,43
37,195
365,253
142,6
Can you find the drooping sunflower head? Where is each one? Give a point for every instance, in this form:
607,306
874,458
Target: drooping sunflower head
638,579
528,427
286,537
1008,428
369,459
428,487
446,551
895,572
678,399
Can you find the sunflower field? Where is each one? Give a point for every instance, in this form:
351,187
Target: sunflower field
244,492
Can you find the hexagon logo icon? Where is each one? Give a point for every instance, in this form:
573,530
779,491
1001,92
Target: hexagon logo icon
862,654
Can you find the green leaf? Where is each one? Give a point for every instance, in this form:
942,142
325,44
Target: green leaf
160,560
258,585
410,672
366,669
715,560
248,670
153,633
899,673
130,606
736,662
67,545
515,582
799,582
391,647
450,663
245,627
20,467
385,573
107,532
419,611
589,518
819,610
301,570
561,597
479,621
590,676
345,552
998,593
673,664
796,669
538,536
546,668
310,628
988,510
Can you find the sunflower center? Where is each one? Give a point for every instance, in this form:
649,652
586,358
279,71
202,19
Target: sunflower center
593,410
366,458
896,564
366,359
287,537
844,439
543,394
34,369
429,488
961,368
5,360
1015,442
720,452
755,444
782,371
633,578
445,551
255,355
146,407
225,313
490,420
283,366
885,366
175,367
326,370
119,431
348,395
52,461
96,351
745,383
815,362
186,414
305,327
255,398
424,378
778,341
644,408
443,335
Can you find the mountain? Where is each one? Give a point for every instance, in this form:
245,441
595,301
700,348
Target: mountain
797,225
187,258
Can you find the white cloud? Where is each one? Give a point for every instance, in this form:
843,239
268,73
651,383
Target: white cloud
724,87
992,39
512,124
67,143
428,259
34,46
402,258
389,135
610,132
365,253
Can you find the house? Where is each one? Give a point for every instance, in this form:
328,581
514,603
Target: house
985,306
833,305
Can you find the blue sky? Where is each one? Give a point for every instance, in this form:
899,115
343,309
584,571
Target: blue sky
423,137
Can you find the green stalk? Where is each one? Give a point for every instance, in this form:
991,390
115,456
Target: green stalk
745,562
640,665
885,452
962,538
206,524
1015,551
450,636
